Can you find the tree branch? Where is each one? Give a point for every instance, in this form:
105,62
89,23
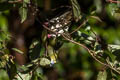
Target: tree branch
91,52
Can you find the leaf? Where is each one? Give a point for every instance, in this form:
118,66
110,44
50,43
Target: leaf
27,1
113,48
88,28
22,68
76,10
3,75
118,4
39,72
117,16
3,23
98,5
111,8
23,76
12,70
36,50
17,50
44,62
34,43
23,12
2,64
102,75
44,36
96,17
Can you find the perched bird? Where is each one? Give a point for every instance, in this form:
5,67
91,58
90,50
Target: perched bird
58,25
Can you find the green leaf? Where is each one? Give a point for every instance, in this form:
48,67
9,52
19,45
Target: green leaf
39,72
118,4
44,62
44,36
23,12
111,8
17,50
27,1
76,10
113,48
97,18
23,76
3,23
36,50
102,75
2,64
98,5
3,75
88,28
34,43
23,68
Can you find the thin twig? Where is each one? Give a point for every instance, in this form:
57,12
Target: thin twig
63,35
35,68
84,22
89,51
96,36
20,76
46,49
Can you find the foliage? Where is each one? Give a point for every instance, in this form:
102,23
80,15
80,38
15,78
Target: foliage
70,33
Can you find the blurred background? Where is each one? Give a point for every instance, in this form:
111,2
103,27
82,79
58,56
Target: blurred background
74,62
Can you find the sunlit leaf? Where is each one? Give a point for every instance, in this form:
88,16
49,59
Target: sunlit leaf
117,16
76,10
17,50
113,48
34,43
3,23
88,28
39,72
111,8
97,18
27,1
23,68
98,5
23,12
44,62
102,75
21,76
